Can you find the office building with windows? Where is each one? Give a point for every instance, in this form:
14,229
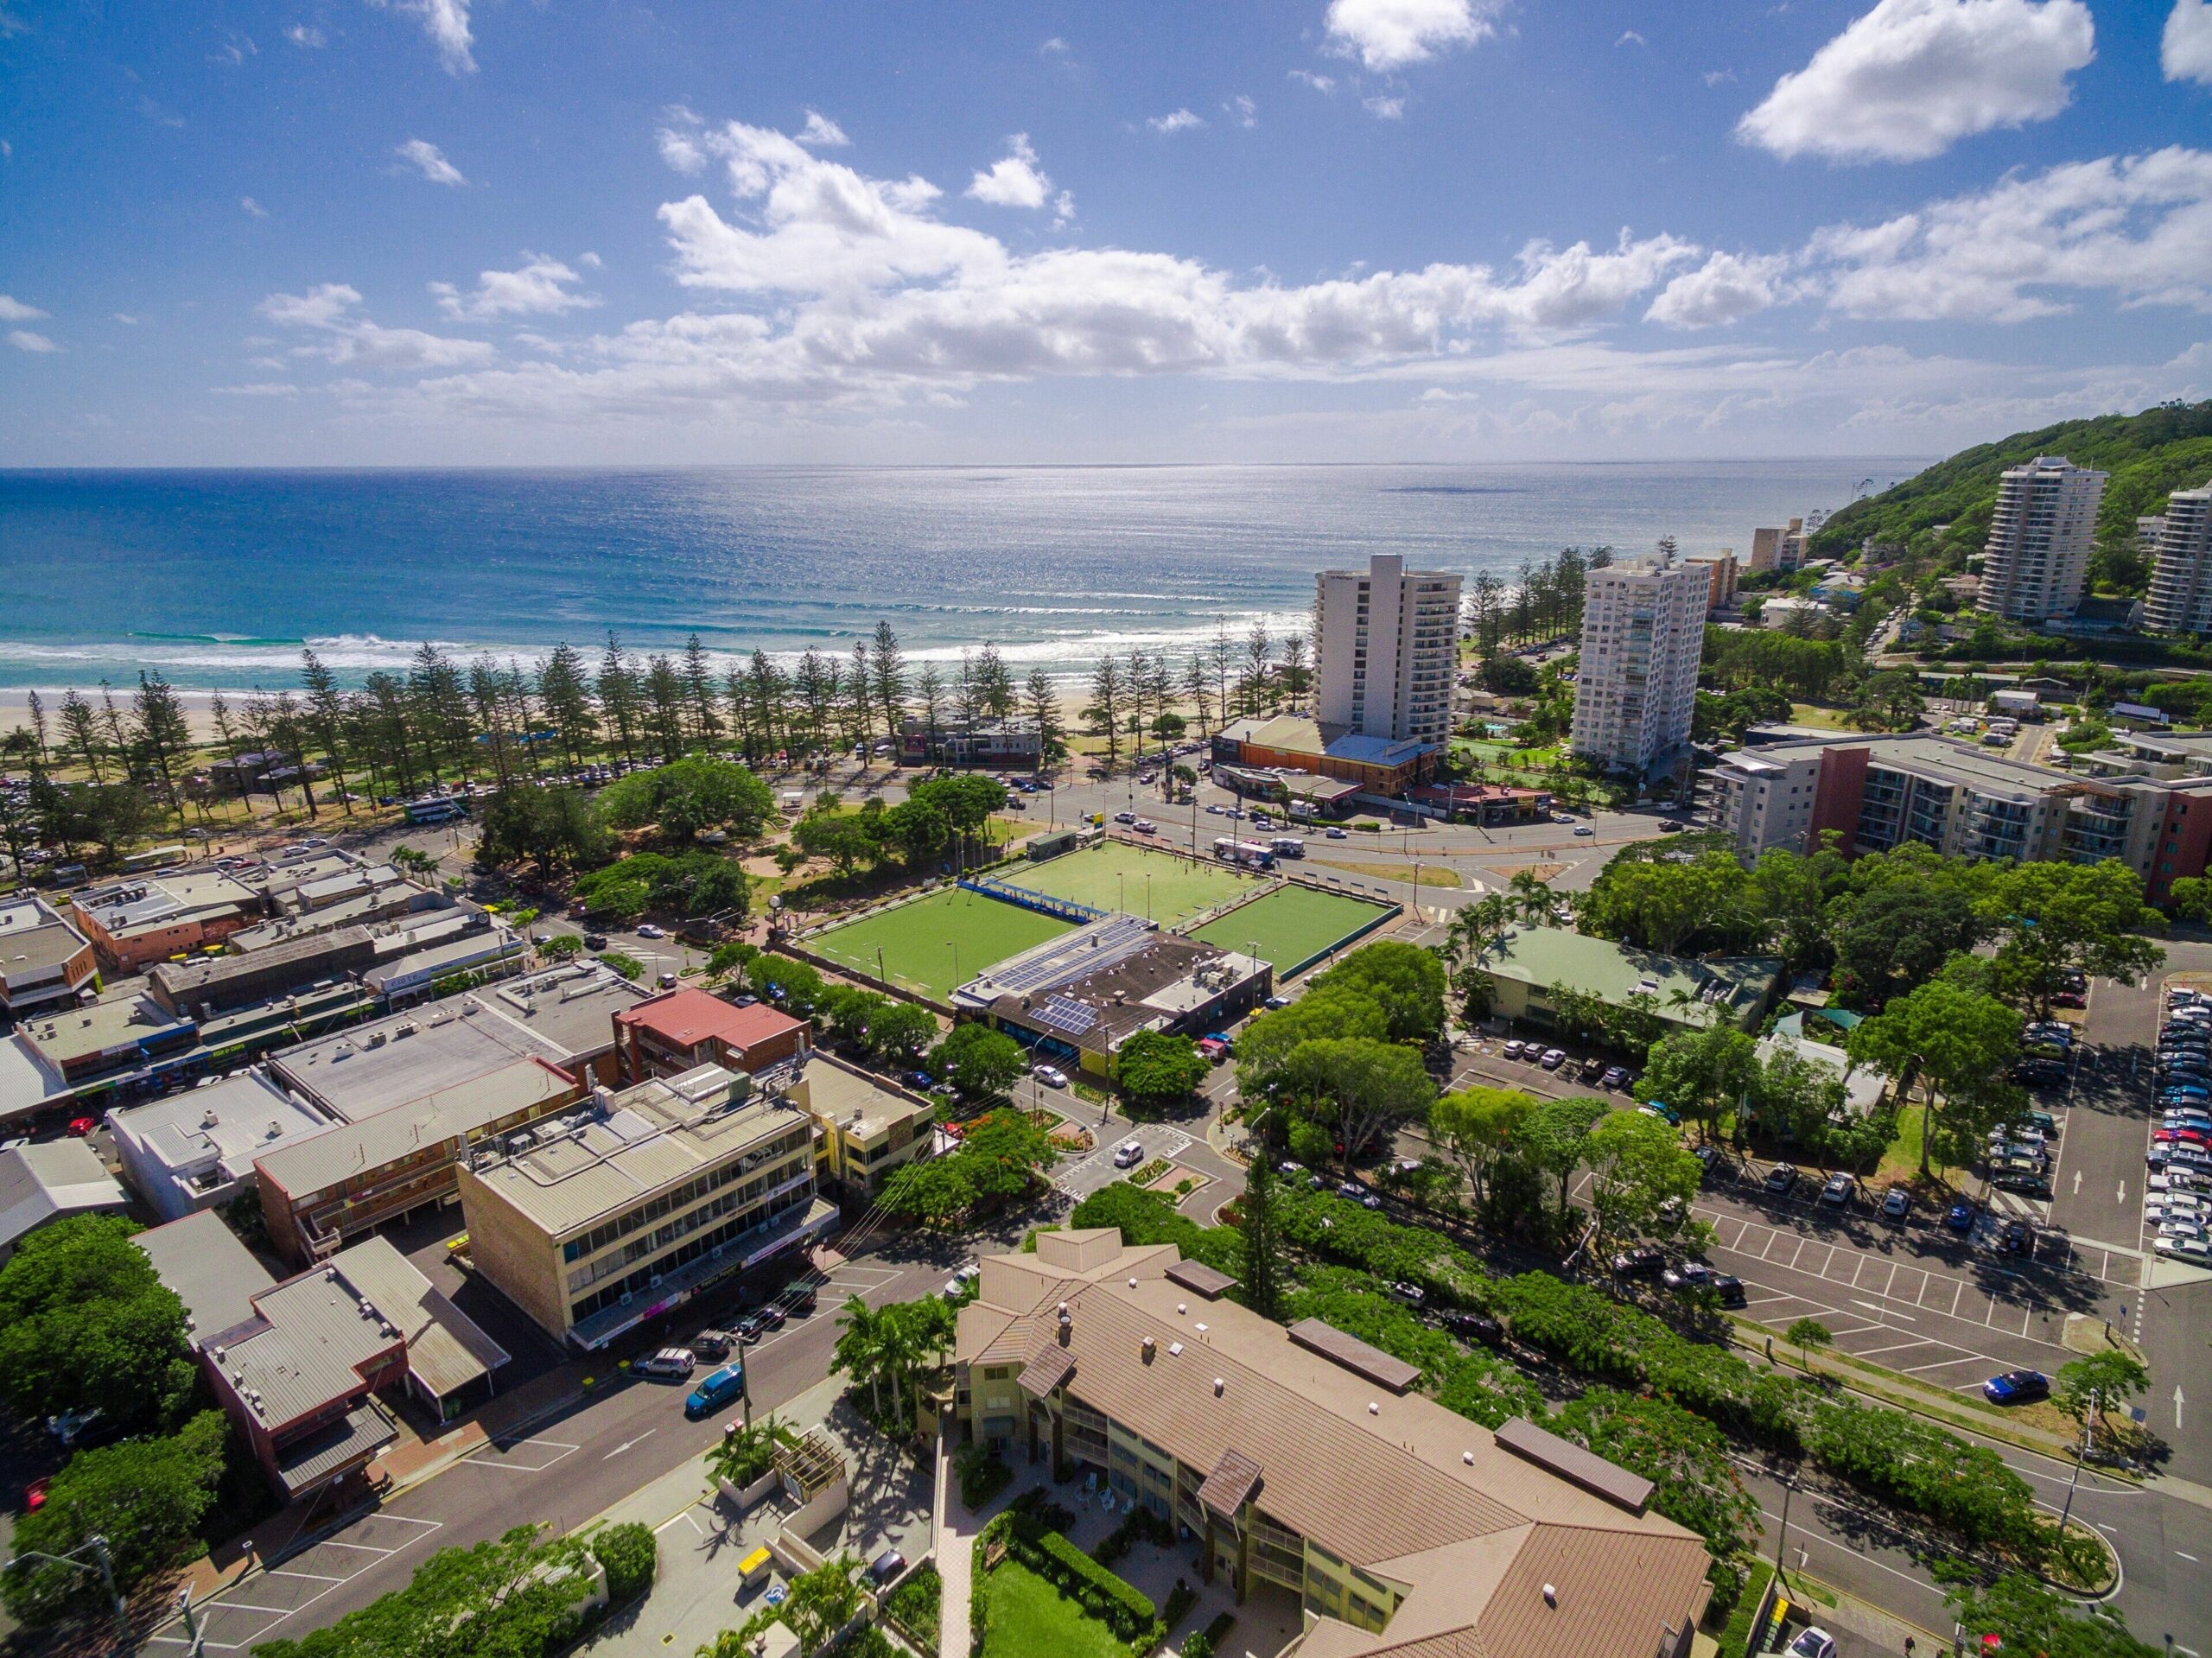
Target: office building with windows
1642,637
1306,1469
635,1202
1387,643
2040,538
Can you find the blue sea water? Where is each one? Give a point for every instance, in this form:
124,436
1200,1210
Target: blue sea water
218,578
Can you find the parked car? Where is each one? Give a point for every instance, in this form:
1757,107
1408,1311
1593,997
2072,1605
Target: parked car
1592,1068
670,1364
1554,1058
1779,1179
1645,1263
594,941
2017,1387
2021,1183
1350,1189
1614,1078
81,1126
885,1566
1475,1326
2019,1238
1732,1290
713,1343
1051,1076
1813,1641
1664,1112
1838,1189
2194,1252
1128,1154
1412,1294
802,1301
1690,1275
1960,1216
1896,1203
715,1389
755,1324
1513,1048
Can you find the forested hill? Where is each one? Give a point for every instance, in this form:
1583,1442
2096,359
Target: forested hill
2149,455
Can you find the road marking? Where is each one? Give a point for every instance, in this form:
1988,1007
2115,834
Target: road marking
629,1445
2191,1559
286,1572
1872,1306
2178,1405
2077,1183
1894,1347
1964,1358
1798,1251
1891,1279
1957,1291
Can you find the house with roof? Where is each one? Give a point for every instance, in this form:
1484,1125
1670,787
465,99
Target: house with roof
680,1030
48,1182
141,919
1300,1464
1525,963
1384,766
310,1367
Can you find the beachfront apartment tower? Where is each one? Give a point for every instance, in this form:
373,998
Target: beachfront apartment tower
2039,540
1642,634
2180,584
1387,640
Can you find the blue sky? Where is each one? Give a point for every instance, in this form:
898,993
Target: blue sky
342,231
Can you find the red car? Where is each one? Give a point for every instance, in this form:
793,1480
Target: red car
80,1127
2183,1136
34,1495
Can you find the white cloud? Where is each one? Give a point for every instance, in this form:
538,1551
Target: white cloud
24,339
1014,180
1386,34
13,310
430,160
539,288
1176,121
1319,83
589,260
127,320
251,208
1384,109
820,132
1911,77
2137,226
306,37
2185,52
1629,37
1241,109
1055,47
258,389
1726,287
326,310
1718,77
446,22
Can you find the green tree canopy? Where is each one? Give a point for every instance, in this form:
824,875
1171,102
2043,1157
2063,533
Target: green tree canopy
1364,1088
901,1033
86,1323
1686,1459
1324,1010
1553,1140
2053,917
1158,1071
687,796
1477,1125
1897,935
1405,981
1640,1174
1657,898
1701,1074
556,828
1962,1044
982,1063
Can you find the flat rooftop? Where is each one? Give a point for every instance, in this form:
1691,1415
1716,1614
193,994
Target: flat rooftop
47,1180
596,1163
365,1071
114,1027
213,1274
236,1121
34,938
1297,733
1922,754
209,978
159,900
1160,980
861,1104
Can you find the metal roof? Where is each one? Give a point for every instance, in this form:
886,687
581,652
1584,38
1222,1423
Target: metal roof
1355,1355
47,1181
319,1161
352,1439
213,1274
1200,1278
358,1073
446,1350
1574,1463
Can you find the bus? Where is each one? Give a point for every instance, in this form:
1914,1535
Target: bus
435,808
1249,855
1288,846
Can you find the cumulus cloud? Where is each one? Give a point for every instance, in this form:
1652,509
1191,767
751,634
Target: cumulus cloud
820,132
1384,109
1726,287
427,159
1913,77
1175,121
25,339
541,286
1386,34
446,22
1629,37
1014,180
327,311
1319,83
258,389
13,310
251,208
1241,109
2136,226
305,36
2185,52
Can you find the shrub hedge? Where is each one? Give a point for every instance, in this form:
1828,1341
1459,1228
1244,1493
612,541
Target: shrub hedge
1125,1609
631,1558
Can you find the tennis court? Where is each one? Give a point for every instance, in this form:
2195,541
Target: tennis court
1291,924
936,944
1118,876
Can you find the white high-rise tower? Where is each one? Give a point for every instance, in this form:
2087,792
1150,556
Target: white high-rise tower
2045,526
1642,637
1388,640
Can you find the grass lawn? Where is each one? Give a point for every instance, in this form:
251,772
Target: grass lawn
1431,875
918,940
1289,925
1029,1618
1820,719
1117,876
1901,1160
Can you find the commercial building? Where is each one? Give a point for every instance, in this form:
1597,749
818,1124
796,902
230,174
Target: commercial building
322,1192
1527,965
298,1365
43,960
1642,636
212,984
2181,580
1783,549
1721,572
681,1030
1482,803
633,1204
1381,767
870,1128
148,919
1387,643
1298,1461
2040,538
1079,997
2147,802
196,1150
1010,745
48,1182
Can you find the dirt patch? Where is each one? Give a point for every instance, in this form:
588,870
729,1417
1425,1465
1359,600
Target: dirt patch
1543,871
1177,1181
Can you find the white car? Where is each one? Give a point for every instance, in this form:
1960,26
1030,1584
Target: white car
2196,1251
1813,1642
647,930
2180,1180
1128,1154
670,1364
2178,1202
1051,1076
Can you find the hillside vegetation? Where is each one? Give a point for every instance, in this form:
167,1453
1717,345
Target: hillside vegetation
2149,455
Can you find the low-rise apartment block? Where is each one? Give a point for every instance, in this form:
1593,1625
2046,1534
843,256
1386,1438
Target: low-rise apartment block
44,960
1001,745
196,1150
681,1030
636,1201
147,919
870,1128
1300,1464
1526,965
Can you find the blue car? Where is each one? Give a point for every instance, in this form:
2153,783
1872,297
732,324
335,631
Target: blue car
715,1390
2017,1387
1960,1216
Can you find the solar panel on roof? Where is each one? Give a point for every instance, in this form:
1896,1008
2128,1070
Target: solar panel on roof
1062,1013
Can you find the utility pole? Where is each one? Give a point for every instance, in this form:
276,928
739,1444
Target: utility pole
1781,1538
103,1566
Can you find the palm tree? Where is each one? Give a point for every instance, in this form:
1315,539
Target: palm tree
860,1352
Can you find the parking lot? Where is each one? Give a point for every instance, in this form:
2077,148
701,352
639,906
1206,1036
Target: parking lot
1089,1172
260,1608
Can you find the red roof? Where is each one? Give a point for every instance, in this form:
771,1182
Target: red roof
684,1019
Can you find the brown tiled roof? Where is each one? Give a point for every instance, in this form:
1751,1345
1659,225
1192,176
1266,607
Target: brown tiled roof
1047,1371
1572,1463
1230,1485
1355,1355
1200,1278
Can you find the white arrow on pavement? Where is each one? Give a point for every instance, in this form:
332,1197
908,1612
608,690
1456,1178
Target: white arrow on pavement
2177,1404
2077,1183
627,1445
2123,1189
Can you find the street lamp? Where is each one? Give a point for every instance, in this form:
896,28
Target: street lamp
101,1568
1781,1538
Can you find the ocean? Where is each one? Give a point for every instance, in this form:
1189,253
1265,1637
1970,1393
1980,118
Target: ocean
218,578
